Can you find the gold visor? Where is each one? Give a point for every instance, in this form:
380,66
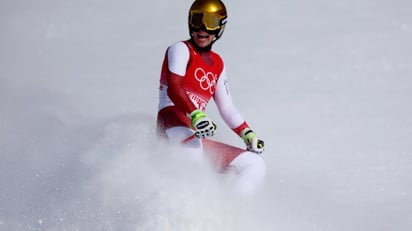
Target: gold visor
210,21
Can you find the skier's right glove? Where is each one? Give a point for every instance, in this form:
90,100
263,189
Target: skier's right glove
203,126
252,141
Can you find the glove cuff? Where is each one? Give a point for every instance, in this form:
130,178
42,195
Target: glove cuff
239,129
196,114
247,135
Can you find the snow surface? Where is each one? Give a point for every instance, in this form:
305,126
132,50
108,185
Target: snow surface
327,84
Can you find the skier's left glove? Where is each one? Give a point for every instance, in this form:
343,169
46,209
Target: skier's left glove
203,126
252,141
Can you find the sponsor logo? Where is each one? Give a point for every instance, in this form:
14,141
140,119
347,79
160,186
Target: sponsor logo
197,101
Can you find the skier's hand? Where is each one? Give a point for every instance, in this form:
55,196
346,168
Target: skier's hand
252,141
203,126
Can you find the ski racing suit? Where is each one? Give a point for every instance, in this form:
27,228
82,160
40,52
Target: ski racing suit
205,78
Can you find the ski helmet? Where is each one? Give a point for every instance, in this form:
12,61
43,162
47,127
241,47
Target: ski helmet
209,15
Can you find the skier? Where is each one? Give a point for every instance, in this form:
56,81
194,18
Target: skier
191,75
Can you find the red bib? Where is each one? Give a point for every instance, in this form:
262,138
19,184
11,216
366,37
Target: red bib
202,73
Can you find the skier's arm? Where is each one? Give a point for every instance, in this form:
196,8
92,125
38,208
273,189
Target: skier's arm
233,118
177,94
226,107
178,57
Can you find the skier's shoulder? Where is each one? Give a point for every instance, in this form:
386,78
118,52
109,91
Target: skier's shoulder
178,47
178,52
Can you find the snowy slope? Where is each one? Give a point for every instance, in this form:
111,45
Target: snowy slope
327,84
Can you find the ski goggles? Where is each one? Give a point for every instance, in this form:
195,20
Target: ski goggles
210,21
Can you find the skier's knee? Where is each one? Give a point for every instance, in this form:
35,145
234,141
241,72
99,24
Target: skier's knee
251,171
250,162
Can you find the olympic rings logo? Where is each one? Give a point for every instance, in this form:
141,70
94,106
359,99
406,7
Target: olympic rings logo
207,81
